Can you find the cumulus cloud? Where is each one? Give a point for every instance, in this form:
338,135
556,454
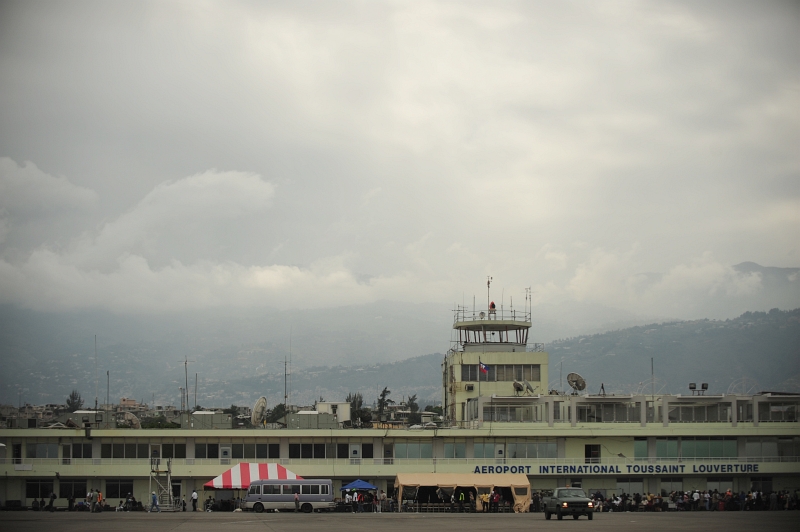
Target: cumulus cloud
208,216
37,207
27,191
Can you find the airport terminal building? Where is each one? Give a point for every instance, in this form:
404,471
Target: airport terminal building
500,417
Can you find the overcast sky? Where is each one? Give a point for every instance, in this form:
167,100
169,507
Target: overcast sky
165,156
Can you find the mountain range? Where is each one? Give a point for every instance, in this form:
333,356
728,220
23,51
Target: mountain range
240,354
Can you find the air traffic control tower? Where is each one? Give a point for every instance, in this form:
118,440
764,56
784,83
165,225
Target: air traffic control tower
490,356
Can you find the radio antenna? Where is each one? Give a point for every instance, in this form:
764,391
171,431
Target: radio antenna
95,374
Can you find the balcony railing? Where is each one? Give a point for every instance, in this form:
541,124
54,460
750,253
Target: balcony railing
464,315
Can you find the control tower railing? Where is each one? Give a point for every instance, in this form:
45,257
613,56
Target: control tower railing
463,314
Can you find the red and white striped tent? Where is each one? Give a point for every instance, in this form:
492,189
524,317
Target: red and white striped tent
241,475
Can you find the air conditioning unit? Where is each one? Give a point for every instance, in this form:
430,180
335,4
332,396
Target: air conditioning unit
469,387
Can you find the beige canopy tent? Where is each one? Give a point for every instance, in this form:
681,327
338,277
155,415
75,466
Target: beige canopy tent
518,483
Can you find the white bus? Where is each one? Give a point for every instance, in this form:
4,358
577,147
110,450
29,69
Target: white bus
315,494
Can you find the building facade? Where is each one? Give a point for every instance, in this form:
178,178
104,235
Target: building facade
507,423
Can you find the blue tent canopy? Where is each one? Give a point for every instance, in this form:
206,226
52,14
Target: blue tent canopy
359,485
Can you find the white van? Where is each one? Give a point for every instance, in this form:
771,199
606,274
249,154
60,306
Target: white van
315,494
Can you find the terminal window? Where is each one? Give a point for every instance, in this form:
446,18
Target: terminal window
39,489
118,489
42,450
72,488
501,373
591,454
640,448
206,450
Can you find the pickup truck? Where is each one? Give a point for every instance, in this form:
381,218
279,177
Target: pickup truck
568,501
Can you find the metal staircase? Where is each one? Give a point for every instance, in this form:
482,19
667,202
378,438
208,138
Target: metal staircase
161,483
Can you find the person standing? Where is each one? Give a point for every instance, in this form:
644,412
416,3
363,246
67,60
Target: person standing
296,502
194,500
154,503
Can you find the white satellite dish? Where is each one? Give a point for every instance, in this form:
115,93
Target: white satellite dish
576,381
530,389
259,410
133,420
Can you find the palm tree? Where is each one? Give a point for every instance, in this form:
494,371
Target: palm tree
384,401
74,401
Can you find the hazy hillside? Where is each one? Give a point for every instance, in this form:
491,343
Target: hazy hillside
763,346
240,356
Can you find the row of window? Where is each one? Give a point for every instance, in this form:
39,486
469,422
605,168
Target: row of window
41,489
609,413
688,447
330,450
778,411
670,484
712,413
288,489
669,447
238,450
501,373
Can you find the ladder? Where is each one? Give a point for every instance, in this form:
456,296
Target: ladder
161,483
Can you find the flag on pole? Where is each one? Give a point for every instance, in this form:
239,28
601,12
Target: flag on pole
484,368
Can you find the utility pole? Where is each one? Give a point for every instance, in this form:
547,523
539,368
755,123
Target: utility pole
185,391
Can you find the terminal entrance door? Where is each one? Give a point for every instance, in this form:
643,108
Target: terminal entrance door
176,495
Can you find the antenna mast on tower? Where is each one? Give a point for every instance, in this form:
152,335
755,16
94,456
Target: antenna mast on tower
95,374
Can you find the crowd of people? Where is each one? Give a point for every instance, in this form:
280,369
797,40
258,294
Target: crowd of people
360,501
695,500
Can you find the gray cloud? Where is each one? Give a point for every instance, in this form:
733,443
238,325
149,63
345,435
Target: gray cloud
306,154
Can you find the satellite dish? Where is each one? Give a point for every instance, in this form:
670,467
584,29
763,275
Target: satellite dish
133,420
576,381
518,387
529,388
259,409
482,315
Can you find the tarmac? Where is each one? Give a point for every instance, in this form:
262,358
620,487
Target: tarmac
338,522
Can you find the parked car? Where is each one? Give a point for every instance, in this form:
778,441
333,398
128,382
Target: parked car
568,501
